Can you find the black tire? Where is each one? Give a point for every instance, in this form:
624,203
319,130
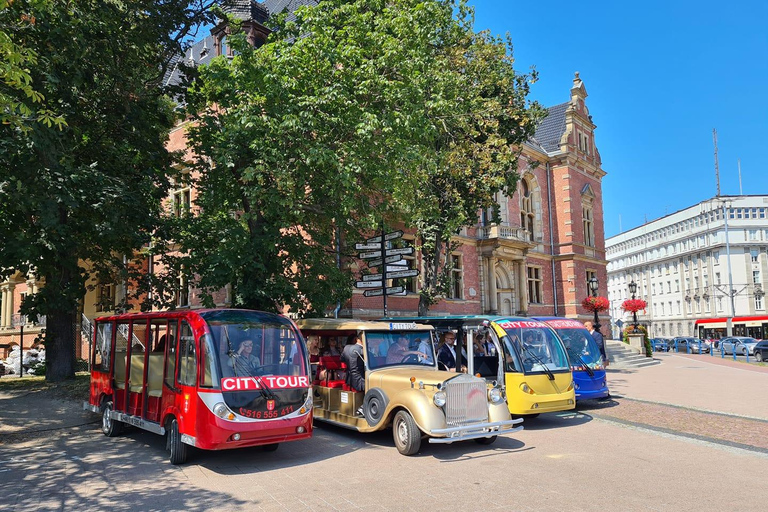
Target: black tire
758,356
270,447
744,351
109,426
486,440
178,450
374,405
406,433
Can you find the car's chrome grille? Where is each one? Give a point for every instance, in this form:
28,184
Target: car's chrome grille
466,401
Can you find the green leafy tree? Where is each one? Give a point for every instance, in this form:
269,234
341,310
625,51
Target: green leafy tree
356,113
77,201
476,117
18,99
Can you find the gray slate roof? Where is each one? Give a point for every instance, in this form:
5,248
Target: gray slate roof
247,10
550,129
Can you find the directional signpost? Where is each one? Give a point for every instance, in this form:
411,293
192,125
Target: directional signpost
390,263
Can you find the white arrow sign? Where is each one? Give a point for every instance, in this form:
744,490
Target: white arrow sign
369,255
402,273
368,284
388,236
392,290
391,268
401,250
367,247
372,277
388,259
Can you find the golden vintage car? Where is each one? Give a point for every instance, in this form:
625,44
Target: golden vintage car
403,386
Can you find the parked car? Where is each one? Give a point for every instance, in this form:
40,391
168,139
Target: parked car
739,344
660,344
690,344
761,351
698,346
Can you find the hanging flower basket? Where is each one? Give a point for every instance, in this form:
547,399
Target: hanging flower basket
634,305
595,304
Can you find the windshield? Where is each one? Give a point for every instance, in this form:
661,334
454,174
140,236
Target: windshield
254,344
262,362
581,347
532,347
393,348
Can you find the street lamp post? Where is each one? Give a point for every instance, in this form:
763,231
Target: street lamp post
593,286
632,291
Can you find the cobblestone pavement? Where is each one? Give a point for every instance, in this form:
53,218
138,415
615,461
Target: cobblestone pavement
726,429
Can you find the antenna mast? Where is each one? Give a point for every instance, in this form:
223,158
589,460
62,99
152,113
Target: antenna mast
717,170
741,192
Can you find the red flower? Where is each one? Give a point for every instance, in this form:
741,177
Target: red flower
633,305
595,304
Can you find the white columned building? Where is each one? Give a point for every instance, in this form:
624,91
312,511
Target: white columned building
681,266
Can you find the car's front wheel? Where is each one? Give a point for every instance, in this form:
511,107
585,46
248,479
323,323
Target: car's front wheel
744,351
758,356
406,433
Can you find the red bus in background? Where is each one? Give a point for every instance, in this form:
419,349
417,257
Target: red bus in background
213,379
715,328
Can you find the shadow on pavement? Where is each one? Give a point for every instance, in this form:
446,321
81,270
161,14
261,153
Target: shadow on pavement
553,420
350,440
90,471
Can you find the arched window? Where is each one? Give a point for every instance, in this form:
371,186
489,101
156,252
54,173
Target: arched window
526,208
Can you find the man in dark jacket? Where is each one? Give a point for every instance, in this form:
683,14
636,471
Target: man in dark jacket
352,355
447,355
598,339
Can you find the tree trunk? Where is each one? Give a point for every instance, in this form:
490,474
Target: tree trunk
60,344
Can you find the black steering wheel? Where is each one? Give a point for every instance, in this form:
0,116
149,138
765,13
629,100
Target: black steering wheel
410,358
262,370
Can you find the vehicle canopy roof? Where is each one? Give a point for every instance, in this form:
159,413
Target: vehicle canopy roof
350,324
454,320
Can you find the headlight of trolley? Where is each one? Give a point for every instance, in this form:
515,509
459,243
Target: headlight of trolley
439,398
222,411
495,396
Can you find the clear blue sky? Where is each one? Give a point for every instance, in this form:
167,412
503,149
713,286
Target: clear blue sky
660,76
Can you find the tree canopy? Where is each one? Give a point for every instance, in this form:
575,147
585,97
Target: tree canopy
355,113
76,199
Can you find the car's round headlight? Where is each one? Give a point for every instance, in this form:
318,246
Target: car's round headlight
439,398
222,411
494,395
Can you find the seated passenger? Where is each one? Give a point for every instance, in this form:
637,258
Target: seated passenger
243,362
425,349
332,349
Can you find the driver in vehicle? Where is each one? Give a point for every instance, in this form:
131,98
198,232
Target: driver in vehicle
399,351
243,362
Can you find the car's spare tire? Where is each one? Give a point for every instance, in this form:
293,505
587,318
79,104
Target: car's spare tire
374,405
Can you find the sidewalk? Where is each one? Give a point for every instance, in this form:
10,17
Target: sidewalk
699,382
24,413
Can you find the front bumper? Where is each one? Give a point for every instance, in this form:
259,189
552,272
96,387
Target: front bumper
474,431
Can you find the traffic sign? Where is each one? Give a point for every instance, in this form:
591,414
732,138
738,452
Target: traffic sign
369,255
372,277
392,290
391,268
368,284
388,259
399,250
402,273
367,247
388,236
